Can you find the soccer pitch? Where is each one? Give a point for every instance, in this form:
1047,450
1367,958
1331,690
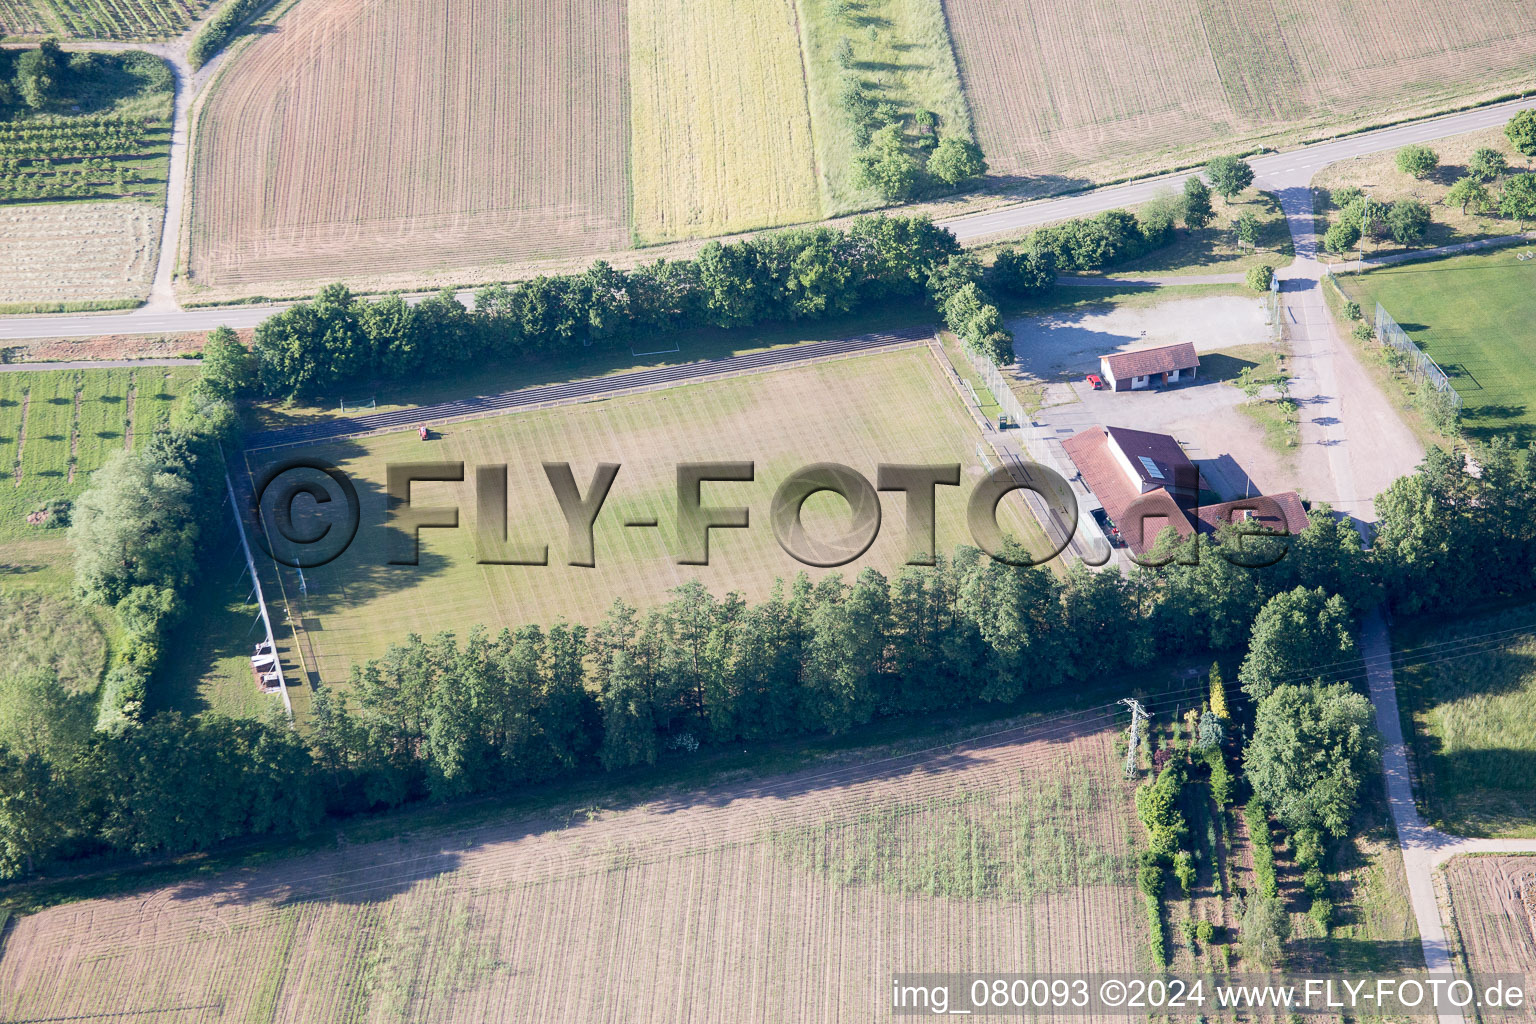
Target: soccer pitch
893,407
1476,316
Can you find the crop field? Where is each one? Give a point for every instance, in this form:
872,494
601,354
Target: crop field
1472,721
1098,90
74,252
366,138
890,407
791,898
721,138
102,157
899,52
1476,316
57,427
99,19
1493,900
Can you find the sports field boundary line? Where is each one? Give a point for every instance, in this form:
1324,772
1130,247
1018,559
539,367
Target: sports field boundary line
548,396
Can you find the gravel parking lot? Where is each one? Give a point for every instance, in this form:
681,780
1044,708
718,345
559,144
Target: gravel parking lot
1204,416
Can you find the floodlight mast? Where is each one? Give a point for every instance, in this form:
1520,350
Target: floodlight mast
1138,715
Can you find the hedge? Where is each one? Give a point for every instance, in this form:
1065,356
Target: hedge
1257,818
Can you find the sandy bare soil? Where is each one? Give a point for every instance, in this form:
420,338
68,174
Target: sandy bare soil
699,906
74,252
1494,903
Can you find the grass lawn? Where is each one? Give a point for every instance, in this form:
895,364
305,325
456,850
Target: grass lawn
1378,173
899,51
888,407
1475,315
1471,719
75,420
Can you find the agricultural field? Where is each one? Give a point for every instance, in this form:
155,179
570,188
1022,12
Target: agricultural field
1493,900
891,407
99,19
785,898
1099,90
1379,175
361,139
73,255
57,427
721,134
899,52
1475,315
1472,722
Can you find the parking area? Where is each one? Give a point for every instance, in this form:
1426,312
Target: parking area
1069,342
1205,416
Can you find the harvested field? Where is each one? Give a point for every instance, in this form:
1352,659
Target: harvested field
1098,90
699,906
78,252
890,407
1494,903
371,138
722,133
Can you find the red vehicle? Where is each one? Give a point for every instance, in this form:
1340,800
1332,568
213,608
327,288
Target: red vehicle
1096,381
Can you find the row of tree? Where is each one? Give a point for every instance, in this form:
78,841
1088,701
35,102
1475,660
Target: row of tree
442,718
805,274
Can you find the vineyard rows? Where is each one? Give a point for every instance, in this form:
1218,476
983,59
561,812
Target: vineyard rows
45,179
99,19
73,158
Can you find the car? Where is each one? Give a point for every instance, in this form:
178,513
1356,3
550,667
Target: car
1111,531
1096,381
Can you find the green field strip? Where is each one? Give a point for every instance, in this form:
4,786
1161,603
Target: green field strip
50,421
13,392
99,432
155,391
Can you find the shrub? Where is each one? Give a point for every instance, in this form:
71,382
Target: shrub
1257,817
1191,929
1363,332
1205,931
1352,310
1341,236
1149,879
1315,882
1157,806
220,29
1408,220
1222,782
1419,161
1321,911
1487,164
1260,276
1157,935
1184,871
1307,843
1346,197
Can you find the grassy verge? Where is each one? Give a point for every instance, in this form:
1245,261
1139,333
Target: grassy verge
1389,375
954,351
900,52
83,306
1378,175
1471,721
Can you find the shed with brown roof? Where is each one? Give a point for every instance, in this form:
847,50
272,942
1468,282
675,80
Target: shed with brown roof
1148,367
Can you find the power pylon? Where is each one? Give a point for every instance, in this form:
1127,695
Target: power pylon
1138,715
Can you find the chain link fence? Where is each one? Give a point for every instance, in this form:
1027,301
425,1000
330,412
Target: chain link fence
1424,368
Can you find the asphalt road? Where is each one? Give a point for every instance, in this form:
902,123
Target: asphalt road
161,318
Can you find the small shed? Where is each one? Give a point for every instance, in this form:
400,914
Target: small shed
1150,367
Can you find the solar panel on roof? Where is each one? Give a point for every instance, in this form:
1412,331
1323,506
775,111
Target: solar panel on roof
1151,467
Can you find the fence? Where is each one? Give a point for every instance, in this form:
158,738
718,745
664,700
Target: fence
261,602
1424,368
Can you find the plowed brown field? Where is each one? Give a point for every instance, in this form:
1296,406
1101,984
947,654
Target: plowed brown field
703,906
1099,89
1494,901
362,138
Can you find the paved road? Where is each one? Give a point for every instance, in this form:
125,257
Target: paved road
1270,171
551,394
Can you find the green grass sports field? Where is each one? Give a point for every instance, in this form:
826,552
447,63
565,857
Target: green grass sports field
1476,316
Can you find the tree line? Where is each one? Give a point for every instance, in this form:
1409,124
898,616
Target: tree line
444,717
